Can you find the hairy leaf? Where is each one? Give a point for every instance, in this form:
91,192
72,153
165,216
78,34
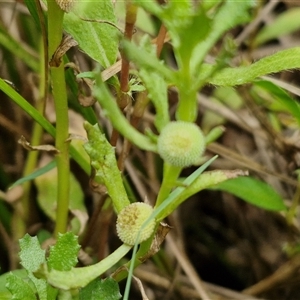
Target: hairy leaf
282,60
63,255
95,37
20,289
31,254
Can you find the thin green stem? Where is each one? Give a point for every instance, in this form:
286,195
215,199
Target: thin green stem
170,177
55,30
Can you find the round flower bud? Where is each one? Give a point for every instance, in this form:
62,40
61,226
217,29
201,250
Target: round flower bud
181,144
129,221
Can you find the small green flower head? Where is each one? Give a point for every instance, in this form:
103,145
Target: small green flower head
181,144
130,220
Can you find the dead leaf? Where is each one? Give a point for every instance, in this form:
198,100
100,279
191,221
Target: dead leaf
82,216
27,146
66,43
141,288
160,236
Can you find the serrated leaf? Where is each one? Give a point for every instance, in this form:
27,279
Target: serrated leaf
107,289
63,255
31,254
97,39
282,60
19,289
254,192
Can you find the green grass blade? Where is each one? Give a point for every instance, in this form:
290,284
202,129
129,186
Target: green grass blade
35,174
28,108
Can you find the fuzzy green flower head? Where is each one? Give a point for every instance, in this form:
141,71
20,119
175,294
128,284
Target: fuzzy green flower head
130,220
181,144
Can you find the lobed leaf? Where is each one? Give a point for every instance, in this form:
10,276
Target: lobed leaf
31,254
63,255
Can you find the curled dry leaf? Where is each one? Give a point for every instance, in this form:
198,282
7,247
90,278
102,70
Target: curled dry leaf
66,43
27,146
161,233
82,217
141,288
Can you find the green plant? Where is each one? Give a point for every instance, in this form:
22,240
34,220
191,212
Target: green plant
93,26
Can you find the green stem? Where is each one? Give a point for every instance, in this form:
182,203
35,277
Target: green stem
80,277
55,30
187,106
118,120
170,177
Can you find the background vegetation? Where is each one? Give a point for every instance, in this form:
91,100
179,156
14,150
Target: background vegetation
219,247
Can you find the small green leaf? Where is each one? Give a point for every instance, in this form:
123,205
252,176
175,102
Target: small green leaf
98,39
287,22
4,292
20,289
227,16
146,60
31,254
282,60
254,192
107,289
41,287
63,255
